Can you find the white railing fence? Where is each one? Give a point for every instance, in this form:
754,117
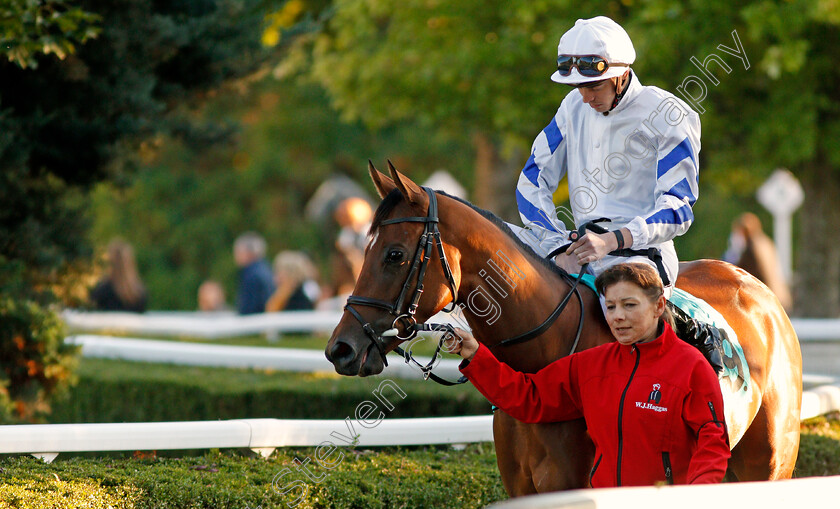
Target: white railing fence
225,325
806,492
260,435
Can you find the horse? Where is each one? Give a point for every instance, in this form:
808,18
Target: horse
473,245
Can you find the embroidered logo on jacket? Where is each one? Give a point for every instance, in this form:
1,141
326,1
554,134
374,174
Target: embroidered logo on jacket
655,395
653,399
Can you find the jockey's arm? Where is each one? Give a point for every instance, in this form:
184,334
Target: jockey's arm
676,189
539,180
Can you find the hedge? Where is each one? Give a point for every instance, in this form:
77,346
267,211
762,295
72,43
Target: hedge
120,391
392,478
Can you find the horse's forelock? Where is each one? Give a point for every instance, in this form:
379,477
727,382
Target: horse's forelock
386,206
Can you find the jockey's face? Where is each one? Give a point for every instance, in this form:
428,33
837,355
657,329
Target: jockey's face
631,315
599,94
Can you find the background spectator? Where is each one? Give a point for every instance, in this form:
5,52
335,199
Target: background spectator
256,283
122,289
211,296
353,216
752,250
297,283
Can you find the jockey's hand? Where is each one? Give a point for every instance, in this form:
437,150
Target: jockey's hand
464,344
592,247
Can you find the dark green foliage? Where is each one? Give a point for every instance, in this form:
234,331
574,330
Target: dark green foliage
819,447
71,123
28,29
116,391
393,478
67,123
36,364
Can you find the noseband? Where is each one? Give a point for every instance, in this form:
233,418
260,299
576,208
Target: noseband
422,255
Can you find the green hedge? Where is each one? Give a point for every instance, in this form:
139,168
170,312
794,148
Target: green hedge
392,478
118,391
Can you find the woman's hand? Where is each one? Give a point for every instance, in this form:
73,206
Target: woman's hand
463,344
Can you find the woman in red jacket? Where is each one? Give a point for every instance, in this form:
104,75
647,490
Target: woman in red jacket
652,403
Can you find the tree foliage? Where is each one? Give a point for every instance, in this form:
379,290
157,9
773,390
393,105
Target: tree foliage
70,123
73,111
29,28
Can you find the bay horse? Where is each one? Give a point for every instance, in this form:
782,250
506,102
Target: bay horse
413,224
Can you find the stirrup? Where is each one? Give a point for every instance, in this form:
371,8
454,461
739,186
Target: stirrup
705,337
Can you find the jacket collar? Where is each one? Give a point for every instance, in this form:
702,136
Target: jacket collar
659,345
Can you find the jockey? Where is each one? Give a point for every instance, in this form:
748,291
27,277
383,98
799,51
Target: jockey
630,154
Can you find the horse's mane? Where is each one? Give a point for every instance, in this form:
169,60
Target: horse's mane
395,197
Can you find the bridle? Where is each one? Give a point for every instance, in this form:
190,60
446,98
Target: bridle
422,255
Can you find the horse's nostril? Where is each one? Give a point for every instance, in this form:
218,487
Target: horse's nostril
341,352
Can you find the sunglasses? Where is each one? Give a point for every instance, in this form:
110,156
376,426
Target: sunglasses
589,66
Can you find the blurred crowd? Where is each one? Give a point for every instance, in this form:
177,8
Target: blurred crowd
292,281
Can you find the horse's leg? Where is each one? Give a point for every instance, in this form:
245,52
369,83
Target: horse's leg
539,458
766,452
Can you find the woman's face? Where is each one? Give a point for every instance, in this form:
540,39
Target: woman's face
632,317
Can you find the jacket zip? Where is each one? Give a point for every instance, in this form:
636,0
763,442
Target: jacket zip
714,415
666,462
620,414
594,468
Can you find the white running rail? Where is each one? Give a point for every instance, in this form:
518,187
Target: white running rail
223,325
806,492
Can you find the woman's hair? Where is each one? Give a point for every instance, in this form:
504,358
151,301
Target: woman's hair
294,268
123,272
640,274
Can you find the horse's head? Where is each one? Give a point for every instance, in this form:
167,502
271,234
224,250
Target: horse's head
408,275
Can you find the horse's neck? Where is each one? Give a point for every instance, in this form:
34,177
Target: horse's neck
506,292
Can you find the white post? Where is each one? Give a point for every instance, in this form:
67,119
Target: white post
781,194
782,237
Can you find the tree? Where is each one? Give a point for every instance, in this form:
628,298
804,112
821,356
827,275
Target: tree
74,109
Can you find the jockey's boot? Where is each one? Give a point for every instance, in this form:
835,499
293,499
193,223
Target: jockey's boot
705,337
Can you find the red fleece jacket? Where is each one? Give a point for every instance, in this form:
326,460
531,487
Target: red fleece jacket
654,410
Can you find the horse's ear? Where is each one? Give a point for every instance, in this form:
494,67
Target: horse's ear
412,192
383,184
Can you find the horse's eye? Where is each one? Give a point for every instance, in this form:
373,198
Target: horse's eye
394,256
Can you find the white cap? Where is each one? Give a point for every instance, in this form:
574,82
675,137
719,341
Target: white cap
597,36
